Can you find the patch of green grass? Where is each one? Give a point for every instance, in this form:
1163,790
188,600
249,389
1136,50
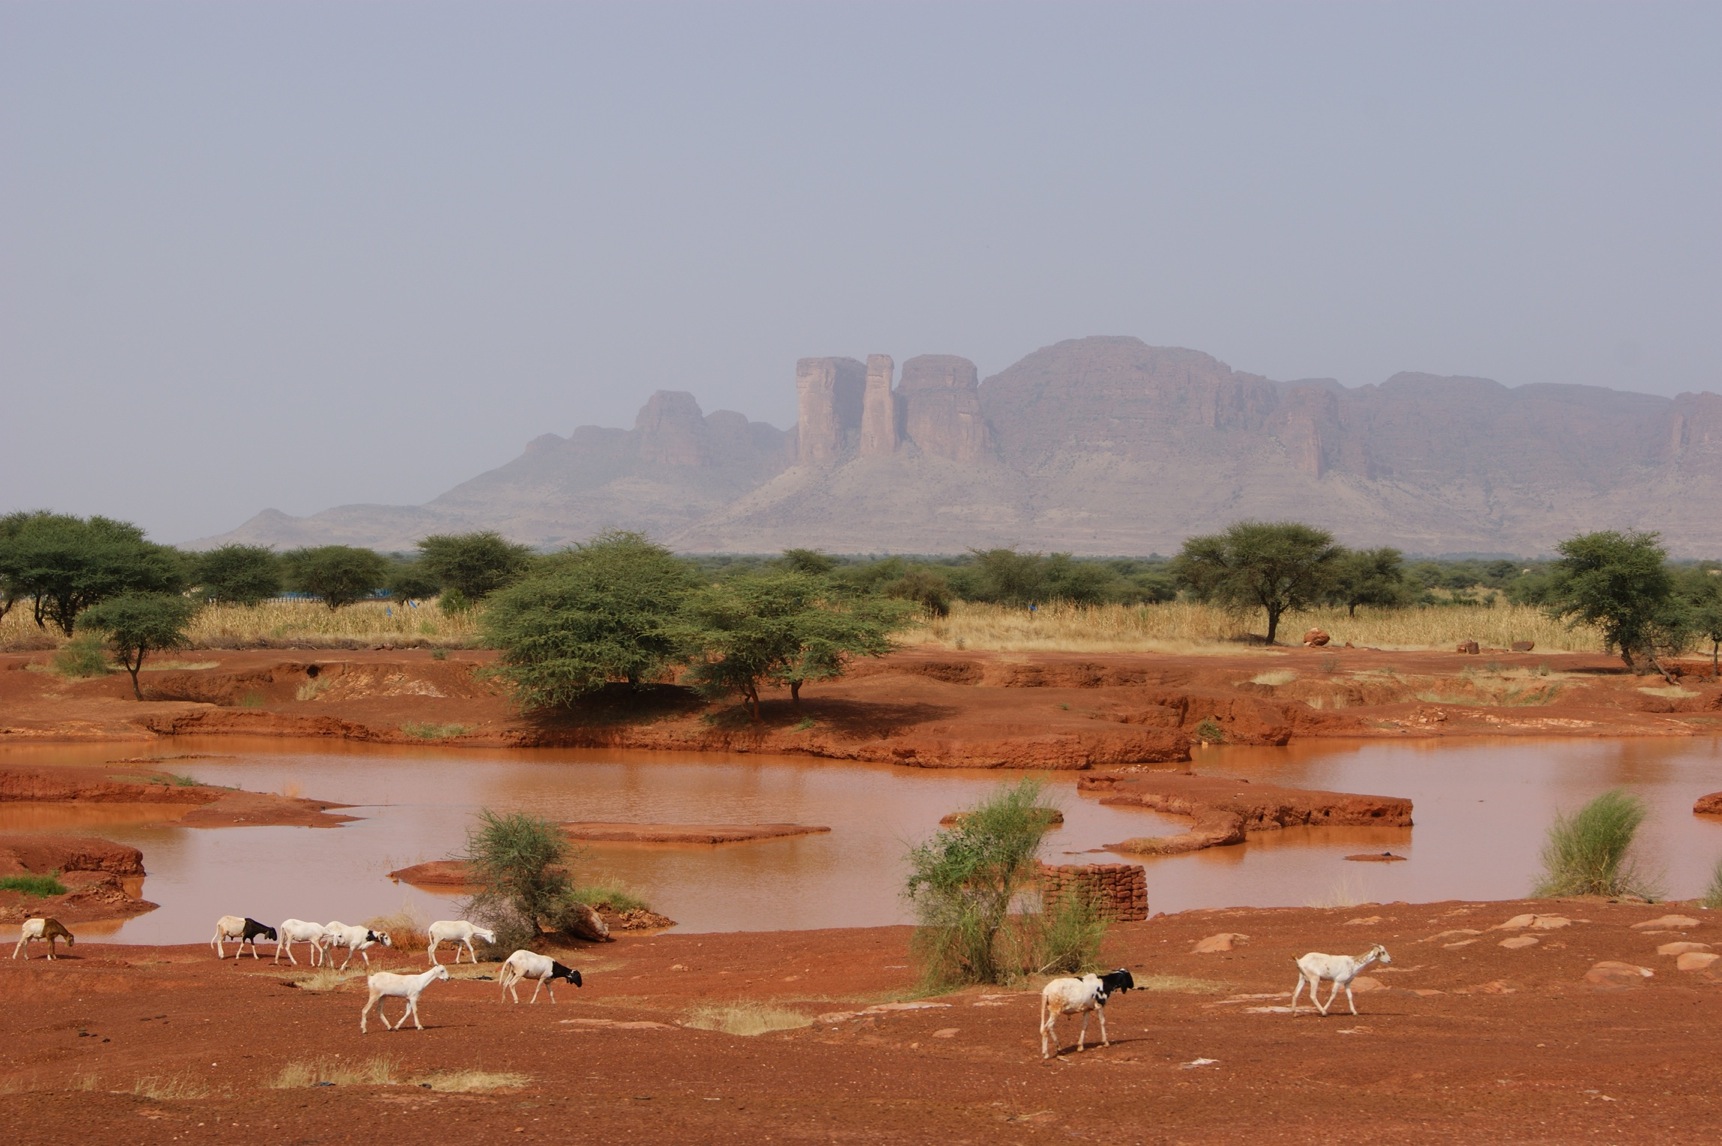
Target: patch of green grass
85,655
1210,732
807,722
251,700
1590,852
436,654
746,1018
40,886
609,894
432,731
186,666
1712,896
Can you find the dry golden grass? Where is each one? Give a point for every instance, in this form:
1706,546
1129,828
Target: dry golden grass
309,1072
171,1087
1183,984
471,1081
406,930
746,1019
301,623
324,978
1190,628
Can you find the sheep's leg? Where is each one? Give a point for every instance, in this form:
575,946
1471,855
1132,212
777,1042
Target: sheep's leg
413,1006
1296,991
1082,1035
536,983
471,955
1100,1014
220,951
1046,1022
1349,999
366,1013
1331,996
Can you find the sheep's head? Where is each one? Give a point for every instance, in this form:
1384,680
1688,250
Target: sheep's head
439,972
1379,953
383,938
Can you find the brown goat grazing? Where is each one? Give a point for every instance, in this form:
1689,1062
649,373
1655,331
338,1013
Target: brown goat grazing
48,929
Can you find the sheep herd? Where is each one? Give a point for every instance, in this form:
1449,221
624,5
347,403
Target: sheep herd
1067,996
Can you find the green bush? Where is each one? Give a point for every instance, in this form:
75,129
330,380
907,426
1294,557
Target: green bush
1066,937
1713,893
84,655
519,869
962,883
1588,853
37,885
608,895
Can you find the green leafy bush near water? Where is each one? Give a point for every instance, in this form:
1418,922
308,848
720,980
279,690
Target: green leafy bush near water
1589,852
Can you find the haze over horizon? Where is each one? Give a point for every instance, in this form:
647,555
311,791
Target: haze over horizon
301,255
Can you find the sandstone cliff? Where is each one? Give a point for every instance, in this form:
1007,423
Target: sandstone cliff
1096,446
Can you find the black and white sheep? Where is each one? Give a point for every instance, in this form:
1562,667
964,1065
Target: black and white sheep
44,929
387,985
543,970
243,928
354,937
1339,969
1080,996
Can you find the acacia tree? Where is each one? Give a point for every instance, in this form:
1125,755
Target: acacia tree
1369,577
138,624
1271,565
476,564
66,564
600,612
339,574
784,627
241,574
1620,583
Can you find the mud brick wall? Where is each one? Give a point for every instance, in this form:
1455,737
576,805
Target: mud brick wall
1121,889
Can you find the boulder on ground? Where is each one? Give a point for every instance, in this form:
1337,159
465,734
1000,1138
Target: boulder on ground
1468,647
1610,973
1524,646
1696,960
1224,941
1315,638
1667,923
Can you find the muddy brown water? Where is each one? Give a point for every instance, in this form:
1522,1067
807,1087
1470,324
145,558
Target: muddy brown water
1481,808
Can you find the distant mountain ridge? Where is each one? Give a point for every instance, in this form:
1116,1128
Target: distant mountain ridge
1099,445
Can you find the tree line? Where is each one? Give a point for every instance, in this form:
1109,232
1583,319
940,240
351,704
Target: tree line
623,609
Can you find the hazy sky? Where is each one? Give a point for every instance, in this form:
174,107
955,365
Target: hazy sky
304,254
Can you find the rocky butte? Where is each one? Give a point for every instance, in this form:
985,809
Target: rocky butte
1099,445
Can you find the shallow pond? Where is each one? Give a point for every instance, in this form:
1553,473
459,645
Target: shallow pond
1481,808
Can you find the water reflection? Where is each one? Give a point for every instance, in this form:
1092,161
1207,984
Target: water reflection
1481,808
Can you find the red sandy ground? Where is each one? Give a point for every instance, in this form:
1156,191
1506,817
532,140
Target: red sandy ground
1474,1041
1471,1043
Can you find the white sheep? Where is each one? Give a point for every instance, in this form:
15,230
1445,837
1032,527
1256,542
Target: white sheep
456,931
386,985
300,931
1080,996
542,969
47,930
1340,969
244,929
355,938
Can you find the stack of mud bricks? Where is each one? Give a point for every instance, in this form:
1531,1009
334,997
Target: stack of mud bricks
1120,889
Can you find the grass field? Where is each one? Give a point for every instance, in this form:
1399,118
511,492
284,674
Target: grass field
1186,627
1174,627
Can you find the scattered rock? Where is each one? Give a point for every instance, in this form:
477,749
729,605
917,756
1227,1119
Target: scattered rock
1536,922
1518,941
1363,921
1681,948
1710,805
1224,941
1468,647
1315,638
946,1033
1610,973
1668,923
1696,960
1524,646
1365,983
1461,943
1456,933
584,923
1377,857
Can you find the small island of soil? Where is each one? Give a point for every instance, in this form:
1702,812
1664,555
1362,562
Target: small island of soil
103,880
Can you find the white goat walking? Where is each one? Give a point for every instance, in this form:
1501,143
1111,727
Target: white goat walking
300,931
456,931
354,937
1080,996
387,985
541,969
1340,969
